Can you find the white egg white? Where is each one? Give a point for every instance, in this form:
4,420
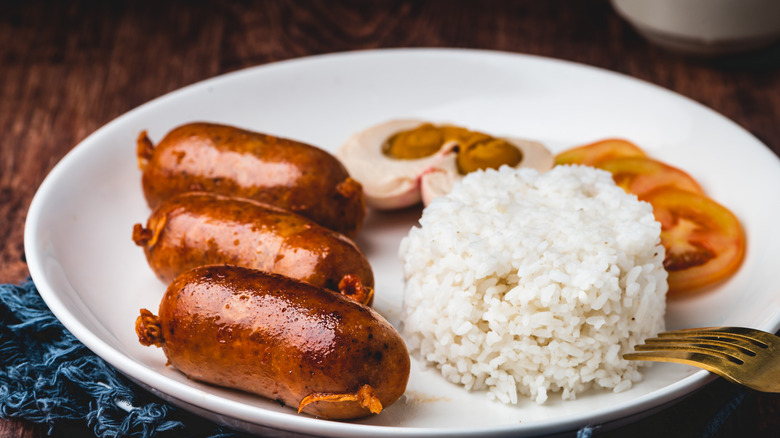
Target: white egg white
390,183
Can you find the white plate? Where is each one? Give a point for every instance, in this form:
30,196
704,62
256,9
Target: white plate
94,279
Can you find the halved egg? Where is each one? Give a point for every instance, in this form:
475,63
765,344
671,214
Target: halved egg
402,162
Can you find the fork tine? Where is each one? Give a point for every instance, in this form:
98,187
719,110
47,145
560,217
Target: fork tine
756,337
738,349
717,365
720,349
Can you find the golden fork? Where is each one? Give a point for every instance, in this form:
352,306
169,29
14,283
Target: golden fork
745,356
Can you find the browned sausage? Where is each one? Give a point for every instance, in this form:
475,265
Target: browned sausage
263,333
232,161
195,229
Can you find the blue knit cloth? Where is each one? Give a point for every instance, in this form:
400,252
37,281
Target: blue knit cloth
48,377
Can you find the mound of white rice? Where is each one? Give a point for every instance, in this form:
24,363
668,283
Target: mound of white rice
526,283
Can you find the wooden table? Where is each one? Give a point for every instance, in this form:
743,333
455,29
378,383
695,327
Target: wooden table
67,68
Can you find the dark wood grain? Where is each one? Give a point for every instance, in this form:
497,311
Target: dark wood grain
69,67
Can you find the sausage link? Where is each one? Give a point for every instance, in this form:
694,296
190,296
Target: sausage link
195,229
289,341
223,159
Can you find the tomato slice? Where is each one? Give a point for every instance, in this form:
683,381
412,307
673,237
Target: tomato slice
642,175
594,153
704,241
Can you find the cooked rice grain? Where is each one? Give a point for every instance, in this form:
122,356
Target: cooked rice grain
526,283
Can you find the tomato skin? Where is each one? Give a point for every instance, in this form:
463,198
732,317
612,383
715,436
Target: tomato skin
594,153
642,175
704,241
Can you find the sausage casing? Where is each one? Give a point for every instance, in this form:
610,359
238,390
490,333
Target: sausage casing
195,229
263,333
231,161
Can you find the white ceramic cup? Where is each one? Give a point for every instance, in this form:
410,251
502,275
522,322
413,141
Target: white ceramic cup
704,27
